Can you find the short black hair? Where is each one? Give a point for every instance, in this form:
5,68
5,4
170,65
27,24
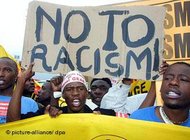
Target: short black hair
12,62
184,63
178,63
107,80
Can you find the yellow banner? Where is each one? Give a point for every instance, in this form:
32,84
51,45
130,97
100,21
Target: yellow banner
90,127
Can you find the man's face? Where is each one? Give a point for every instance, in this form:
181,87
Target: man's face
8,73
175,89
29,86
98,89
75,95
45,92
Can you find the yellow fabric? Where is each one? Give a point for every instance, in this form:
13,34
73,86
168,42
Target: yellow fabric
90,127
37,83
3,53
62,102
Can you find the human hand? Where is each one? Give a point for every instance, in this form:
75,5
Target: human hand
27,74
52,111
97,112
163,67
56,83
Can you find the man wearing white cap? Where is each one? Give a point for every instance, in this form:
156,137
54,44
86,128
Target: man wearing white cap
75,91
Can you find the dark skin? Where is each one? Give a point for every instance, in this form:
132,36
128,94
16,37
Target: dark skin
56,83
149,101
44,94
8,76
175,93
29,85
163,67
14,109
98,89
29,88
151,96
75,95
56,86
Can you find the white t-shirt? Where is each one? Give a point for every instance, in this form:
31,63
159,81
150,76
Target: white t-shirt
90,104
118,100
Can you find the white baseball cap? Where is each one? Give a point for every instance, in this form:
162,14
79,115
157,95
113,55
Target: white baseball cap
73,76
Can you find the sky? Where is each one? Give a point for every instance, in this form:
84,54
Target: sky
13,18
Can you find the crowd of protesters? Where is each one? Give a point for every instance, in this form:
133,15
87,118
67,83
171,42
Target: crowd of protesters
100,96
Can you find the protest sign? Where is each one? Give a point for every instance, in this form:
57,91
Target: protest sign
108,41
176,27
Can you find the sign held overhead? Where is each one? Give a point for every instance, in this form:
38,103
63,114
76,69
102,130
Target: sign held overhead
103,41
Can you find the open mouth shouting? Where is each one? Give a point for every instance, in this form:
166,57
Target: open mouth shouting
173,95
76,103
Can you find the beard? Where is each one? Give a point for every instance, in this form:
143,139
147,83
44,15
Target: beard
177,106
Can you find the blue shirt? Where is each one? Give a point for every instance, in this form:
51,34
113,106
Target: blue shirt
149,114
27,105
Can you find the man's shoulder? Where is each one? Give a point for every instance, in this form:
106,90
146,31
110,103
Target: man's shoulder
2,97
28,105
143,112
151,108
87,109
27,99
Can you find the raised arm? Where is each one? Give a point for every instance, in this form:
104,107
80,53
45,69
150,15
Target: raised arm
56,87
151,96
14,109
53,109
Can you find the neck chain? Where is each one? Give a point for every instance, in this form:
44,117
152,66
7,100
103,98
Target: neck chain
167,120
